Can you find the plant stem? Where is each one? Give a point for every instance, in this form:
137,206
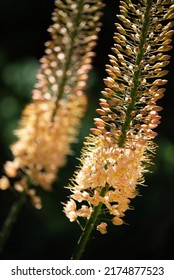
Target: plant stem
84,238
137,73
69,53
10,220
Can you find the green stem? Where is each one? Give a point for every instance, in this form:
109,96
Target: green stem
10,220
85,236
69,55
137,74
71,49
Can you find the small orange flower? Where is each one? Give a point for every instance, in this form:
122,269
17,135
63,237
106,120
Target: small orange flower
102,228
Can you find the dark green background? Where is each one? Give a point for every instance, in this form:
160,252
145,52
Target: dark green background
47,233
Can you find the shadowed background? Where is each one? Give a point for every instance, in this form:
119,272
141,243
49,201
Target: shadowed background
47,233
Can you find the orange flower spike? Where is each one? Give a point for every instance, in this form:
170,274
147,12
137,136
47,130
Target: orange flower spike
118,154
51,122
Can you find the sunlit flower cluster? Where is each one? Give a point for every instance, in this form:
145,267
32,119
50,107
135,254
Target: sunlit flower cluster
105,165
44,144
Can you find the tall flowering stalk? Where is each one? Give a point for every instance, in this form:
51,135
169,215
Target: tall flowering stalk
118,153
50,123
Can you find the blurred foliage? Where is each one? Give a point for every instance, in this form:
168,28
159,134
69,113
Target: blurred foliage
47,233
17,79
